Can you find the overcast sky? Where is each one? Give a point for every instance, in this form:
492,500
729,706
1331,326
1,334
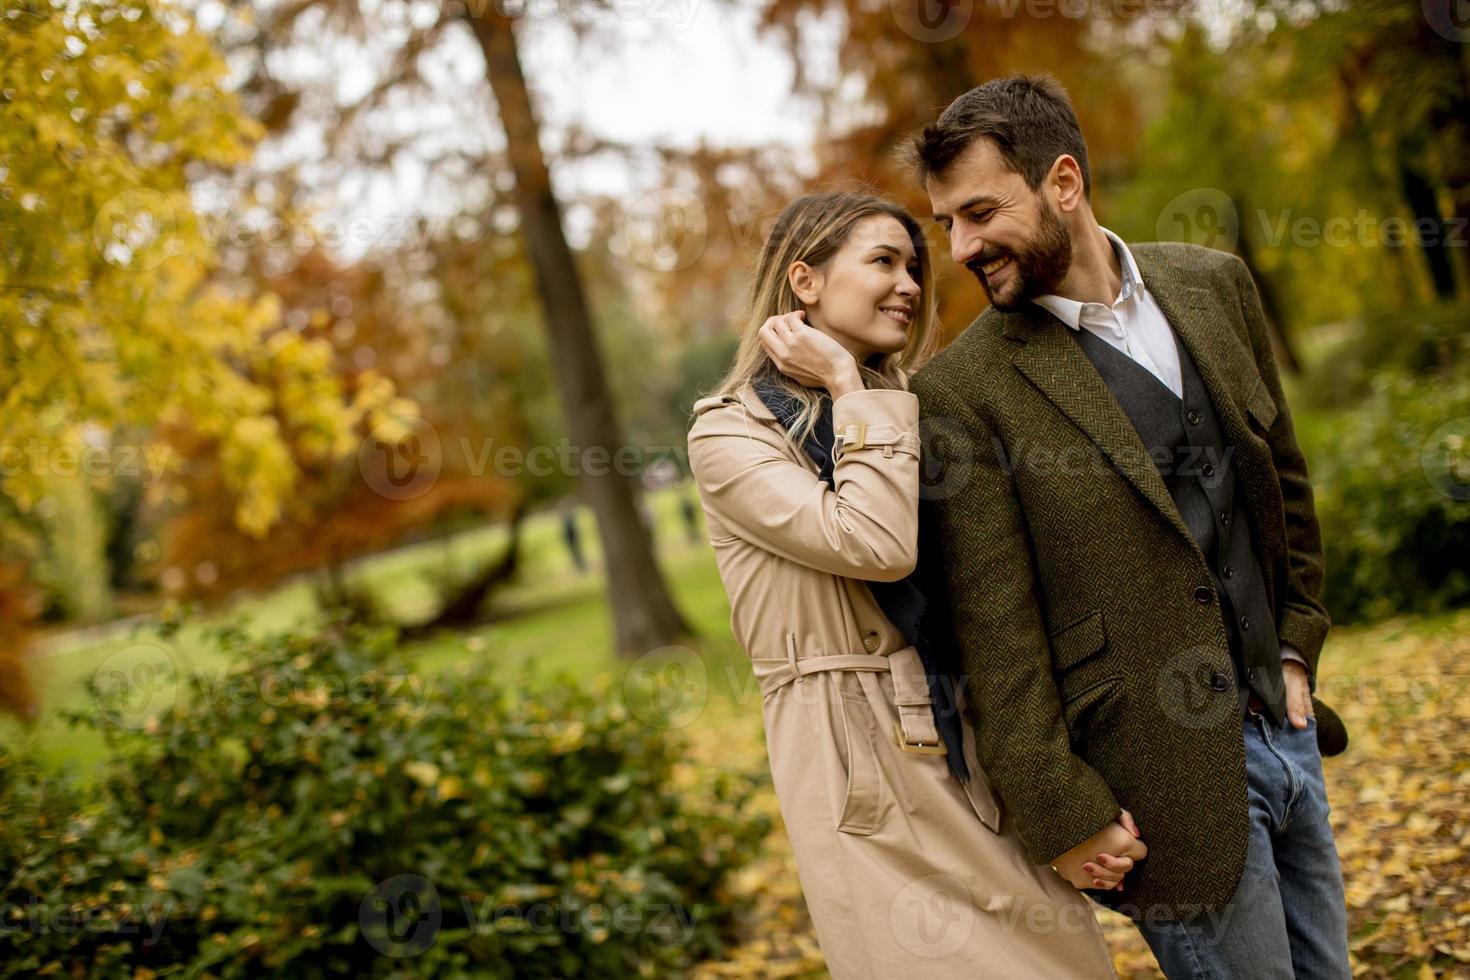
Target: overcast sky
656,72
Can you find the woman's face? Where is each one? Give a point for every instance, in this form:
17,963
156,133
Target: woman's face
867,294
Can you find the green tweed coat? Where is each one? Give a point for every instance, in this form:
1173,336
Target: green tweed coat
1072,585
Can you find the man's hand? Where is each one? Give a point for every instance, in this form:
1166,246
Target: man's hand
1103,859
1298,693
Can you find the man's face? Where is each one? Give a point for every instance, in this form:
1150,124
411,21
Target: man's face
1011,238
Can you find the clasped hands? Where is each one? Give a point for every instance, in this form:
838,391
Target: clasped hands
1103,859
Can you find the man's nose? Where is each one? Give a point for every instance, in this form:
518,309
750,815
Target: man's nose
965,245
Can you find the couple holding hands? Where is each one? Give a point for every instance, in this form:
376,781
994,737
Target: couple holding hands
1062,648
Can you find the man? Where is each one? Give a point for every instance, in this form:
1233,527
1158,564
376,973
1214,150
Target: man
1130,553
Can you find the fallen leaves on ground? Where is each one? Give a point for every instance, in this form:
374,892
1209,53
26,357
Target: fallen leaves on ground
1400,800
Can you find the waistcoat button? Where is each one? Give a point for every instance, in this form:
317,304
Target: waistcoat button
1202,594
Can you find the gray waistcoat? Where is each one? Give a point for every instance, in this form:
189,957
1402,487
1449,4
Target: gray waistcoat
1197,465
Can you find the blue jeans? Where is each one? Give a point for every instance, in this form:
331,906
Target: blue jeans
1289,915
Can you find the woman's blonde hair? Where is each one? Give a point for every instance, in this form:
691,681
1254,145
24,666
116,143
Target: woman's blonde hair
811,229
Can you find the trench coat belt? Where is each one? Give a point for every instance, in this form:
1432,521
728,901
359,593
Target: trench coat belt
916,731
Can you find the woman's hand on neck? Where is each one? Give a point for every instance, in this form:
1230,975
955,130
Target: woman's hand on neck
847,378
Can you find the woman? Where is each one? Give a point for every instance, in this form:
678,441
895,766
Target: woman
807,463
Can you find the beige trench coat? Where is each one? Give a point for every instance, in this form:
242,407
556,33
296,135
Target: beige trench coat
903,867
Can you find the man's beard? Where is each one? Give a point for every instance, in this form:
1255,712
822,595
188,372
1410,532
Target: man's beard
1037,269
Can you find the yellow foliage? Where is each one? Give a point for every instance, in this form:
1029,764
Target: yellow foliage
106,278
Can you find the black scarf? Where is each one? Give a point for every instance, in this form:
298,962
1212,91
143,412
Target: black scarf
903,602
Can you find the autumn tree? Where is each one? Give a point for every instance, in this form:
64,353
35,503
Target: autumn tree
644,616
115,321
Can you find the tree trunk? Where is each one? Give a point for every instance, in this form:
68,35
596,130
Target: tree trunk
1450,123
463,608
644,616
1424,206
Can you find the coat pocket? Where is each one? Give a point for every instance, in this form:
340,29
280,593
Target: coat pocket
862,801
1082,640
1091,709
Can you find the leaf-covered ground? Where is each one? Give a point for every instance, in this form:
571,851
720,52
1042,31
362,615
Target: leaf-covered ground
1400,802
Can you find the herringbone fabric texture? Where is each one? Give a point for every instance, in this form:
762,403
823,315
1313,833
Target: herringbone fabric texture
1083,611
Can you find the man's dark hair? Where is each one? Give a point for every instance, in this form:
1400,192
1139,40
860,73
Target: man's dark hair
1028,117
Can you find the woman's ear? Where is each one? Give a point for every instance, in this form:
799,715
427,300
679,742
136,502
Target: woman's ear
805,281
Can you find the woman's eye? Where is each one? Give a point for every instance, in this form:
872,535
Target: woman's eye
884,258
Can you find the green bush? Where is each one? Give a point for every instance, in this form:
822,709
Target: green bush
322,810
1420,341
1393,494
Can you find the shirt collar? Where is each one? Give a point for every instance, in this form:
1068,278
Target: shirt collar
1069,311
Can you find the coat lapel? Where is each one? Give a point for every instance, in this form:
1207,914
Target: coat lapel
1201,326
1230,376
1056,365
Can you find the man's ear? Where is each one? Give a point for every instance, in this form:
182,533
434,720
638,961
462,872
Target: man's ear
805,281
1066,177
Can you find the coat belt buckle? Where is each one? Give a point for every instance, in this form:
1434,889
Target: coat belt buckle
861,439
917,748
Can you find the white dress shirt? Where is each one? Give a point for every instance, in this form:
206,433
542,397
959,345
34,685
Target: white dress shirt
1134,323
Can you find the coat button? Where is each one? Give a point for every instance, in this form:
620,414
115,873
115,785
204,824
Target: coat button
1208,470
1245,622
1225,519
870,640
1194,416
1219,682
1229,572
1202,594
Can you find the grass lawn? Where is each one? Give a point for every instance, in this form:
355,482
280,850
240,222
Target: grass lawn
562,624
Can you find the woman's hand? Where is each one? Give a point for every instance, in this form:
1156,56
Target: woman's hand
1103,859
808,356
